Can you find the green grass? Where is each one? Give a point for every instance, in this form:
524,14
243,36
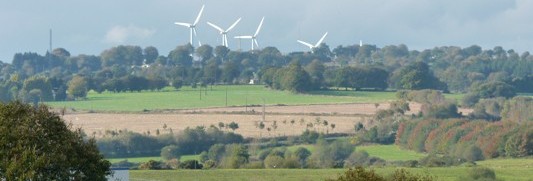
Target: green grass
457,97
391,152
240,95
442,173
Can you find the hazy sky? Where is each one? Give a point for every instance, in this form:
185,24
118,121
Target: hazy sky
89,27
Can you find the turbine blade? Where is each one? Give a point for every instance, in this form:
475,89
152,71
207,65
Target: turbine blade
194,31
199,15
321,39
243,37
259,27
183,24
199,43
305,43
215,26
256,44
233,25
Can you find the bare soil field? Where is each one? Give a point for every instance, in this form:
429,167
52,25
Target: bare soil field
344,116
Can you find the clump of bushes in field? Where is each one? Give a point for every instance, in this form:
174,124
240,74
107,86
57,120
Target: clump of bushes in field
188,141
362,174
480,173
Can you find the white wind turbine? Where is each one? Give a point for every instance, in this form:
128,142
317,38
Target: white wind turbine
223,32
253,37
315,45
192,26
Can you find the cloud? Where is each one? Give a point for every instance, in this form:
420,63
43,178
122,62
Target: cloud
122,34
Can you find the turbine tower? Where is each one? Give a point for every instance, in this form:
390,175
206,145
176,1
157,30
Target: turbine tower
223,32
253,37
192,26
315,45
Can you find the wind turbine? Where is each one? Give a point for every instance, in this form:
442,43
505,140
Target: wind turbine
315,45
192,26
223,32
253,37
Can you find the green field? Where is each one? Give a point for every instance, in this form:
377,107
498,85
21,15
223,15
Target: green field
216,97
443,173
391,152
508,169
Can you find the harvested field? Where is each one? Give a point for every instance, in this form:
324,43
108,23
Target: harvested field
344,116
100,122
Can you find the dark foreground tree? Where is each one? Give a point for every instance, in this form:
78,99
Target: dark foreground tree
35,144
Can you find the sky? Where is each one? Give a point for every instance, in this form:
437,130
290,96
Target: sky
89,27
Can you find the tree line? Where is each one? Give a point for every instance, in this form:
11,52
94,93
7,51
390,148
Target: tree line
353,67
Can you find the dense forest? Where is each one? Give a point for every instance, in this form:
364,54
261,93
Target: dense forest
58,75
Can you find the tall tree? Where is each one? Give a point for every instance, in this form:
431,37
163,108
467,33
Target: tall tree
37,145
180,56
150,54
77,87
417,75
39,83
205,52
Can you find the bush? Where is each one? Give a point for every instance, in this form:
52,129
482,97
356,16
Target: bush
442,111
480,173
302,154
403,175
357,159
170,152
359,174
208,164
254,165
177,84
309,137
151,165
190,164
274,161
473,153
331,155
433,160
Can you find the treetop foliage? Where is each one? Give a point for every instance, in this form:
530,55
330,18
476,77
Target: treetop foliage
37,145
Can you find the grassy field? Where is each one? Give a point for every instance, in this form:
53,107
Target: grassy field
443,174
236,96
391,152
507,169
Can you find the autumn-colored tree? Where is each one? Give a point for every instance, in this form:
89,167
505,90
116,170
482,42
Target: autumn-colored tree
77,87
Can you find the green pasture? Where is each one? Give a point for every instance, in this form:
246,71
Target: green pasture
507,169
390,152
215,96
441,173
